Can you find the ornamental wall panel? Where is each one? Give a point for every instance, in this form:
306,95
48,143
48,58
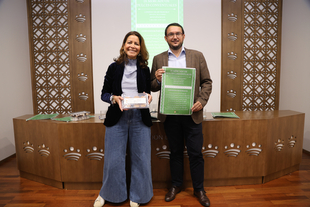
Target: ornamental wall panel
60,44
251,40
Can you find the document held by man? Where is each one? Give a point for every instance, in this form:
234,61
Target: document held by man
177,91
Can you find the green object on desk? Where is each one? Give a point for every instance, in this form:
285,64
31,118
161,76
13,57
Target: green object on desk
42,116
66,119
224,115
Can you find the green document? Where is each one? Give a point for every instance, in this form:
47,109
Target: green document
42,116
224,115
65,119
177,91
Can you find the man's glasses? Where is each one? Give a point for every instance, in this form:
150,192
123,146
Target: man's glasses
178,34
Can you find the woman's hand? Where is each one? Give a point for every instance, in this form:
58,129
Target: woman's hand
118,100
149,98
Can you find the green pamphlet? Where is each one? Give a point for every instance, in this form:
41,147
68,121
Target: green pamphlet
69,118
42,116
177,91
224,115
66,119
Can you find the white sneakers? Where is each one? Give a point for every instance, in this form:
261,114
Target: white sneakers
99,202
134,204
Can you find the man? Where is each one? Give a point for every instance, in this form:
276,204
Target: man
184,127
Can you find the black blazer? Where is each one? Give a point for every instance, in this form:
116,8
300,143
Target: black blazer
113,86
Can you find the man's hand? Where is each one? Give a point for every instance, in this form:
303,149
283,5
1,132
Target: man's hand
197,107
159,74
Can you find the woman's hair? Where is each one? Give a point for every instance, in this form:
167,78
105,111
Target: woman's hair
142,57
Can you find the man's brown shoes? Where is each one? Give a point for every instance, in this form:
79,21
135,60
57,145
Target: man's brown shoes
202,197
173,191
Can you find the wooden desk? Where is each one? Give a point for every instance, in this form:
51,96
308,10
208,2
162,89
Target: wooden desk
258,147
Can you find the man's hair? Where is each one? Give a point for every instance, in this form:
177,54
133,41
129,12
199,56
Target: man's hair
174,24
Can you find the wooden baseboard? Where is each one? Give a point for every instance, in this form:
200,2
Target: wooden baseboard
39,179
8,158
306,151
281,173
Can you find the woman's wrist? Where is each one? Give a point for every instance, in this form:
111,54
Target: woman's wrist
112,99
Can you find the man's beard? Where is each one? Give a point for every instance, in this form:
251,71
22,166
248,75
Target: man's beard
176,47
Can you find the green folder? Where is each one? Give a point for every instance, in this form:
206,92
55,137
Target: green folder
42,116
66,119
224,115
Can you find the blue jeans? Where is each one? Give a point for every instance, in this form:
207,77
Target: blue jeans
129,129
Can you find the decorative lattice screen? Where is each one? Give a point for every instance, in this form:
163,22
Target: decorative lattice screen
251,55
61,74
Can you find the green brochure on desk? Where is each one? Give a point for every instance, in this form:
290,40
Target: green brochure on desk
65,119
68,118
224,115
42,116
177,91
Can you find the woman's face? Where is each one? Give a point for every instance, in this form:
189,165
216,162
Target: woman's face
132,47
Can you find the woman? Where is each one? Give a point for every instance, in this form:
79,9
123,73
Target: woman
128,75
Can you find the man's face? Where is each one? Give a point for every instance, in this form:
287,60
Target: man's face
174,37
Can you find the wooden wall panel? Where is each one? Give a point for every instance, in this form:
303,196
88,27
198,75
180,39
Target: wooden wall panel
60,49
251,42
231,91
81,55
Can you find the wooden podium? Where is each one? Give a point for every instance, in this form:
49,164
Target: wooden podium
258,147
